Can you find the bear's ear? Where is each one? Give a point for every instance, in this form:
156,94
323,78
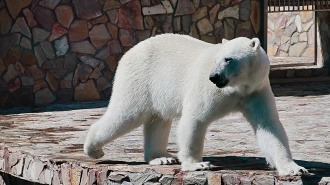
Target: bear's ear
255,43
224,41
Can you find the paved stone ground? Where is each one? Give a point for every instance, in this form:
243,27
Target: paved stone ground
44,145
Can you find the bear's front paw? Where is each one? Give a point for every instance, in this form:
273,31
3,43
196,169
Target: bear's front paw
164,161
94,154
195,166
291,169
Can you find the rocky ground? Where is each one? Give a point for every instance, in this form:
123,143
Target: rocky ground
44,145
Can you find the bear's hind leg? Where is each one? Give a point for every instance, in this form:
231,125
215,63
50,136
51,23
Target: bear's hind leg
111,126
156,133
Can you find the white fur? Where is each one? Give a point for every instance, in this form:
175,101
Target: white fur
167,76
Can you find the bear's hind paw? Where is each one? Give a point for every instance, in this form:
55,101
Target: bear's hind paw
164,161
195,166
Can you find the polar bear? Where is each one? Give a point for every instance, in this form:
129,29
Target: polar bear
169,76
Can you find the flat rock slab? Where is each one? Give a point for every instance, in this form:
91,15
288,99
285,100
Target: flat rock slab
45,145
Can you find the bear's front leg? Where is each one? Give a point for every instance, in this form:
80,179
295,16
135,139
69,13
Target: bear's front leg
191,135
260,110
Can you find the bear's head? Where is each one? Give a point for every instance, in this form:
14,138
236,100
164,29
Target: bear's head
241,61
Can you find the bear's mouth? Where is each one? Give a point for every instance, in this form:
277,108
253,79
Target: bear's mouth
219,80
221,85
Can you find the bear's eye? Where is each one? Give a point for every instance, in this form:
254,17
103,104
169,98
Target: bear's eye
228,59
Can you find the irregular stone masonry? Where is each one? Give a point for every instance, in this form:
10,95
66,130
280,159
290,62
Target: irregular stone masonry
45,145
292,34
54,42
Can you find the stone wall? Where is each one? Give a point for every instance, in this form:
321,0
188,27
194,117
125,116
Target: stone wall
291,34
68,50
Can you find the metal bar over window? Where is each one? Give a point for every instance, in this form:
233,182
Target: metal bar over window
298,5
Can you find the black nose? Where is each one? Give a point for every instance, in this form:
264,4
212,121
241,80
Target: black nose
214,77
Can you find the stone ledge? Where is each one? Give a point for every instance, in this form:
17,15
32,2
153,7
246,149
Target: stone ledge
42,170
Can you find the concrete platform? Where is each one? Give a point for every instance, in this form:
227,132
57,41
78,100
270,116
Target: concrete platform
43,145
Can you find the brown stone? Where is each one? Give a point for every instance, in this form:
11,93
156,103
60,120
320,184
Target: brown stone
113,15
31,21
48,49
21,27
27,81
167,25
39,55
52,82
142,35
208,3
228,30
127,37
70,61
130,17
255,16
64,15
209,38
83,47
14,84
199,13
14,54
87,9
15,6
113,30
53,64
86,92
231,12
107,73
57,32
26,43
114,47
99,36
51,4
36,72
11,73
39,84
111,4
186,23
99,20
5,22
45,17
112,63
58,73
15,39
204,26
28,58
39,35
20,68
83,72
93,62
184,7
96,74
78,31
213,13
244,30
44,96
102,83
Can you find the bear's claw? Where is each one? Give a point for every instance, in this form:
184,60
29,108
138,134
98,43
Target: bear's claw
164,161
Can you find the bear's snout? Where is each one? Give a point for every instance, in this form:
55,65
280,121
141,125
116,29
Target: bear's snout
219,80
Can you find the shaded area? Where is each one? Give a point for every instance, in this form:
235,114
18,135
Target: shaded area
12,180
301,89
317,170
55,107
